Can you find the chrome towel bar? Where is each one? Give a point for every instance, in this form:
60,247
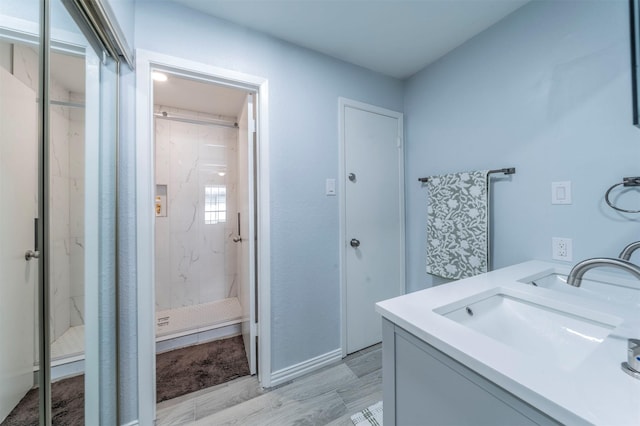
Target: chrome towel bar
506,171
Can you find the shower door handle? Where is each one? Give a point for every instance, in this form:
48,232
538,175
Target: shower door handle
238,238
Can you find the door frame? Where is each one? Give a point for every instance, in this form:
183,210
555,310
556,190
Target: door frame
342,104
145,217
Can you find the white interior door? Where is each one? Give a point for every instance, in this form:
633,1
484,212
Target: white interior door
18,201
246,230
373,218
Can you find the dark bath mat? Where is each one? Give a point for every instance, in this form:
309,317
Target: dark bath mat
178,372
67,405
198,367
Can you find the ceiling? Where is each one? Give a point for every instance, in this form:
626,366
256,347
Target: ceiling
393,37
198,96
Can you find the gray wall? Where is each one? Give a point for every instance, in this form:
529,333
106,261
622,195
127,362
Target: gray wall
548,91
303,111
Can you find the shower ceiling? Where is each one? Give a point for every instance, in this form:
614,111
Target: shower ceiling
198,96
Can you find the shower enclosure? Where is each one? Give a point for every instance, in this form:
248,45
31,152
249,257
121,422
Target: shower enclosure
197,213
195,223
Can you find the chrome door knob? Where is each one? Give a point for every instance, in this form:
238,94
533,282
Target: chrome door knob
30,254
352,177
237,239
355,243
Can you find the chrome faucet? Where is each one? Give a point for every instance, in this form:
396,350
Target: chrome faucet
626,253
578,271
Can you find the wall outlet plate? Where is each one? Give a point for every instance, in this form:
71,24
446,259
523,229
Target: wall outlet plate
562,249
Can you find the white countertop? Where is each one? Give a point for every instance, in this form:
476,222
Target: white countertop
595,391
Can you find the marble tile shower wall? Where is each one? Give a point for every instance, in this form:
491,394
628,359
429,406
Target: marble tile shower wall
67,197
195,261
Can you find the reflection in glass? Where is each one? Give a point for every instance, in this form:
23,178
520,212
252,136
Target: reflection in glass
19,274
66,186
66,232
66,235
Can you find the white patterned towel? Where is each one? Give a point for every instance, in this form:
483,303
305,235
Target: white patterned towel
458,225
369,416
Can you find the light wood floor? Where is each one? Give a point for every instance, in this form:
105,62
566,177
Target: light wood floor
326,397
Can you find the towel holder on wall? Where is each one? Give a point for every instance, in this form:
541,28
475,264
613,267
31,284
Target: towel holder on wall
627,181
506,171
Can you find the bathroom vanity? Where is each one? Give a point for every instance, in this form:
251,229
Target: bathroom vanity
513,346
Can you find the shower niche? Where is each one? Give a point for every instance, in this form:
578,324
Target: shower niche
161,201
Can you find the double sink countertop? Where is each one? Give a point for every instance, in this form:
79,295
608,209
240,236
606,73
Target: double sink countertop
575,380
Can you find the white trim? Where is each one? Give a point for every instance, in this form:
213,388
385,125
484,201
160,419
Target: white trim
92,232
297,370
342,176
264,238
133,423
145,61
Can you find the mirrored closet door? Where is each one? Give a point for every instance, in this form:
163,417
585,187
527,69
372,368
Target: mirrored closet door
58,127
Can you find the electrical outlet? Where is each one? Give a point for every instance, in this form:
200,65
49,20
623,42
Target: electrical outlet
562,249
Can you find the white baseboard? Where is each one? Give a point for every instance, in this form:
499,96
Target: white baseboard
297,370
133,423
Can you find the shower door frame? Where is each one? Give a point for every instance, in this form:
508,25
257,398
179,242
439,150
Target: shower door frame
145,187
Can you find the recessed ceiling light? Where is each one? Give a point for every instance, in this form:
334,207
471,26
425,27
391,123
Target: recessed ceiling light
158,76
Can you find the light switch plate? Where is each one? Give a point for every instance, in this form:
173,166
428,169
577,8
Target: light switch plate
330,187
561,192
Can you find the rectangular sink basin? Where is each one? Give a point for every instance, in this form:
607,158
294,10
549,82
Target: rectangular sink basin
552,334
610,288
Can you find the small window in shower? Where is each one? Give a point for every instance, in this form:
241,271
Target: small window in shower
215,204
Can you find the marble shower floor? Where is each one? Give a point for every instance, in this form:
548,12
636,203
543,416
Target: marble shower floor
326,397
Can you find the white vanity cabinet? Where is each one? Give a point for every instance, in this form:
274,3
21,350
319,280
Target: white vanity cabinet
423,386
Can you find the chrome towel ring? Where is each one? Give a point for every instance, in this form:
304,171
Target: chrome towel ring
627,181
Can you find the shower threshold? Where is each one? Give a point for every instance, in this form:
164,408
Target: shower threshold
203,322
185,320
